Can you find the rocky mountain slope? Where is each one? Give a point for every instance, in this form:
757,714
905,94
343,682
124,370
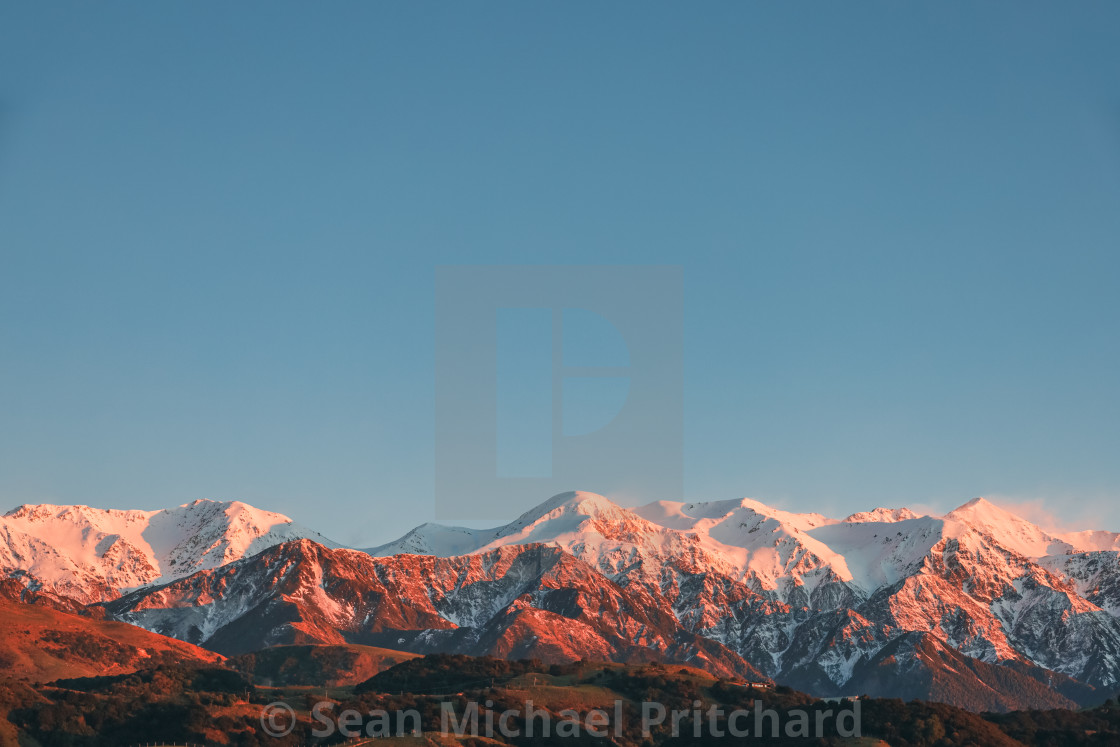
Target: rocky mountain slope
528,601
979,607
805,599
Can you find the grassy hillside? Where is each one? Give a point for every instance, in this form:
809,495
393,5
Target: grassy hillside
39,644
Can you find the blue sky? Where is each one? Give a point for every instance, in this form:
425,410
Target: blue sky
898,227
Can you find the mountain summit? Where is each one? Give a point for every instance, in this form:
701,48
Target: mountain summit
979,607
92,554
812,601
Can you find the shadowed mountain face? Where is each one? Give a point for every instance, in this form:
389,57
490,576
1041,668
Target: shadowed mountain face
979,607
919,666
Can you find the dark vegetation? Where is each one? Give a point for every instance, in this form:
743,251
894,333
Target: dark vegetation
82,644
316,665
175,704
449,673
212,706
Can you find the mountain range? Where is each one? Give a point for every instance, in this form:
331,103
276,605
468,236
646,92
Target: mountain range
978,608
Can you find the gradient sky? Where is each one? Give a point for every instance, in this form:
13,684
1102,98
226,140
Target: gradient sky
899,227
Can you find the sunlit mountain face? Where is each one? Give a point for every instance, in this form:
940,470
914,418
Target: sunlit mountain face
979,607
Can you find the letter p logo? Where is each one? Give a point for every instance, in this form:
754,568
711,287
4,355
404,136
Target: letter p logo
556,378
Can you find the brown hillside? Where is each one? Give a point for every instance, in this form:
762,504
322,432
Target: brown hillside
40,644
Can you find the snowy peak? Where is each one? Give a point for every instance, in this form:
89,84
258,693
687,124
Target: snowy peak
1012,532
93,554
577,501
797,595
881,515
586,525
1028,539
432,539
709,516
767,547
758,543
208,534
29,515
561,517
981,508
981,511
801,522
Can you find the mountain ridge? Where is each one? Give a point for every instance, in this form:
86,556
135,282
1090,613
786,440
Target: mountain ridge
736,586
92,554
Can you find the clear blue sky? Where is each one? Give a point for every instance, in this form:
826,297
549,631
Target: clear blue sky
899,226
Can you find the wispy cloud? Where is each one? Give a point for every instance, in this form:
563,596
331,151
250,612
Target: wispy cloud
1055,514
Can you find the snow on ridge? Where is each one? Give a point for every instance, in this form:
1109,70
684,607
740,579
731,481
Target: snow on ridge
587,525
681,516
883,571
432,539
750,540
743,538
562,515
94,554
881,553
757,541
881,515
1092,540
1009,530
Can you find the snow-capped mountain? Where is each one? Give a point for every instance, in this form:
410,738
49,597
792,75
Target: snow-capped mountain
809,599
978,607
515,602
586,525
92,555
